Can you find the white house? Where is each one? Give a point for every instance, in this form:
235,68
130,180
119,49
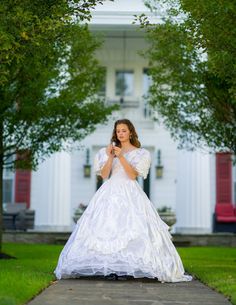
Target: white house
193,183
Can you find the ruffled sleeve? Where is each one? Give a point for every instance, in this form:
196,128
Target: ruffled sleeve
100,159
142,162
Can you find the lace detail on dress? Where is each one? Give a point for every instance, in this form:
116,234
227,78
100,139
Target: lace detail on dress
100,159
141,162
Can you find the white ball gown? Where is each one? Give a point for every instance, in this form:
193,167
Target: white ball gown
120,231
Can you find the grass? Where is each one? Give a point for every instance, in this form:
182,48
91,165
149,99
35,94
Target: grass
26,276
32,271
214,266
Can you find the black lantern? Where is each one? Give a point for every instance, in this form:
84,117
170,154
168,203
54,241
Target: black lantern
87,166
159,167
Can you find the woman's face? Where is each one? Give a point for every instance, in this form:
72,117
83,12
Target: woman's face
122,132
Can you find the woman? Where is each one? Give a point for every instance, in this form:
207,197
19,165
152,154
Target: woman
120,233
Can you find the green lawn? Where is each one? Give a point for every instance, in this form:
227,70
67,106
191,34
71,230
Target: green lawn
214,266
26,276
32,271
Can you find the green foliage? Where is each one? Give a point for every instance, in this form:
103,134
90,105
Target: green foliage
48,77
192,59
48,80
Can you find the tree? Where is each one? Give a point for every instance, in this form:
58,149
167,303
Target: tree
192,57
48,80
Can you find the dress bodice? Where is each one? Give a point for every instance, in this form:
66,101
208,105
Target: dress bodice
138,158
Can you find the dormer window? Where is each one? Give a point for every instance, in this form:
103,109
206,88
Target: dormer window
124,83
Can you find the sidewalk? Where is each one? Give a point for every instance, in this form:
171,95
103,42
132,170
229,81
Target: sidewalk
100,291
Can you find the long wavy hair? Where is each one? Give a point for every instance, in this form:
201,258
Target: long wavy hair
133,137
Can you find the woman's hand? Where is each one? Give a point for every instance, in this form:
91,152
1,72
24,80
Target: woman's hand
117,151
109,151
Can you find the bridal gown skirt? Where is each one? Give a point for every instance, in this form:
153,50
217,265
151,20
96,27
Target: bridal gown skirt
121,232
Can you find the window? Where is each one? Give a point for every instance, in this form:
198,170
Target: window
147,112
124,83
7,190
102,89
146,82
8,183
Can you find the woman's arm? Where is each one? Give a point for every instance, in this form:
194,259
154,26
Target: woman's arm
130,171
105,171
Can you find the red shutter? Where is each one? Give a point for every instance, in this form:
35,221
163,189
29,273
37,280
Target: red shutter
22,186
223,178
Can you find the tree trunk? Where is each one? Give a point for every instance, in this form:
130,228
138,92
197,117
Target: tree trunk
1,184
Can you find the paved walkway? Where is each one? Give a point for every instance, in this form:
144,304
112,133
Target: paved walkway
100,291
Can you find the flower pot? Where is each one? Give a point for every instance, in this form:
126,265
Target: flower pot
168,217
77,216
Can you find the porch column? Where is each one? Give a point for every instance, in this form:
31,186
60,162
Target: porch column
193,205
51,193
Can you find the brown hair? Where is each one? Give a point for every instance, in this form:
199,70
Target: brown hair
134,137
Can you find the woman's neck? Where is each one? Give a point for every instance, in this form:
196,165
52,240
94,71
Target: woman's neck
126,146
